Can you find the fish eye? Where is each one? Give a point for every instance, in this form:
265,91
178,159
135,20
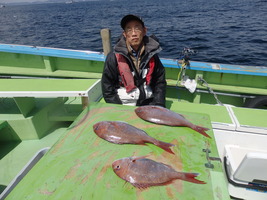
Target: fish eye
118,167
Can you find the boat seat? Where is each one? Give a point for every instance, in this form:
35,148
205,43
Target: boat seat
25,90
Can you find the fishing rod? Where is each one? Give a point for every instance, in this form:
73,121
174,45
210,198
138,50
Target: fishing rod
183,62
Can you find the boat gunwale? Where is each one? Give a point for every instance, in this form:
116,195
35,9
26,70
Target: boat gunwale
99,56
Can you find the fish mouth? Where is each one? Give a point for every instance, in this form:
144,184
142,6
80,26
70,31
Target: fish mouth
113,164
96,126
138,110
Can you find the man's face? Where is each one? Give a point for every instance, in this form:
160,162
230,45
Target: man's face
134,33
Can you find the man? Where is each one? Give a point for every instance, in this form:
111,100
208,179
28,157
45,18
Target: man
133,74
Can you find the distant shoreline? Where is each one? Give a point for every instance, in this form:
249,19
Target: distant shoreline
42,2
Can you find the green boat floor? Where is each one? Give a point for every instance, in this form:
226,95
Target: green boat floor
21,152
211,110
78,166
251,117
216,113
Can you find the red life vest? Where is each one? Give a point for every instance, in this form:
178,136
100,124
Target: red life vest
126,74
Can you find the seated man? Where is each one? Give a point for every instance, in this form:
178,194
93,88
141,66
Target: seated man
133,74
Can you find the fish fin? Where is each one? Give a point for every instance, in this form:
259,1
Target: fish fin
143,186
125,183
165,146
133,159
201,130
190,177
182,115
140,186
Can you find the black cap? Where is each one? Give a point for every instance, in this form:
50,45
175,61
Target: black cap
129,18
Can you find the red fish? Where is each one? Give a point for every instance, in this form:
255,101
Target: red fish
164,116
143,173
124,133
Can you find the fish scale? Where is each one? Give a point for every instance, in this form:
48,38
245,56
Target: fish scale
123,133
164,116
139,172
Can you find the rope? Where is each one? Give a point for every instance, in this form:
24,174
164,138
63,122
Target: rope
179,74
210,90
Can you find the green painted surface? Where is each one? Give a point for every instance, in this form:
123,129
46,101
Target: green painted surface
15,155
217,180
68,64
36,124
9,109
29,117
183,95
18,60
11,85
37,65
251,117
66,112
216,113
78,166
7,134
236,83
69,111
25,104
48,66
229,88
3,124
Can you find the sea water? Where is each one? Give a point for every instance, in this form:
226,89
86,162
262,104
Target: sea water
222,31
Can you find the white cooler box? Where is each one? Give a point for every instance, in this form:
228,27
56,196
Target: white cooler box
246,171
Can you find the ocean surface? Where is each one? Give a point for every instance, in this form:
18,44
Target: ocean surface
222,31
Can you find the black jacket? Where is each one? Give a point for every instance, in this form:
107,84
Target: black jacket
110,76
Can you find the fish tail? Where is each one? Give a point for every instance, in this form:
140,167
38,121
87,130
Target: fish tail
190,177
165,146
201,130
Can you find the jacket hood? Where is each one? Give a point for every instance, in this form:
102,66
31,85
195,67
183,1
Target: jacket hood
151,43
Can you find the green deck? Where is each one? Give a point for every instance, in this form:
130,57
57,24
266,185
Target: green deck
78,166
32,85
251,117
216,113
15,155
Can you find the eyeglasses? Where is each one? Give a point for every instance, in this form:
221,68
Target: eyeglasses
135,29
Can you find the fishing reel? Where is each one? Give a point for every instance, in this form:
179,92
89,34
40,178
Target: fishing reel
185,56
183,62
